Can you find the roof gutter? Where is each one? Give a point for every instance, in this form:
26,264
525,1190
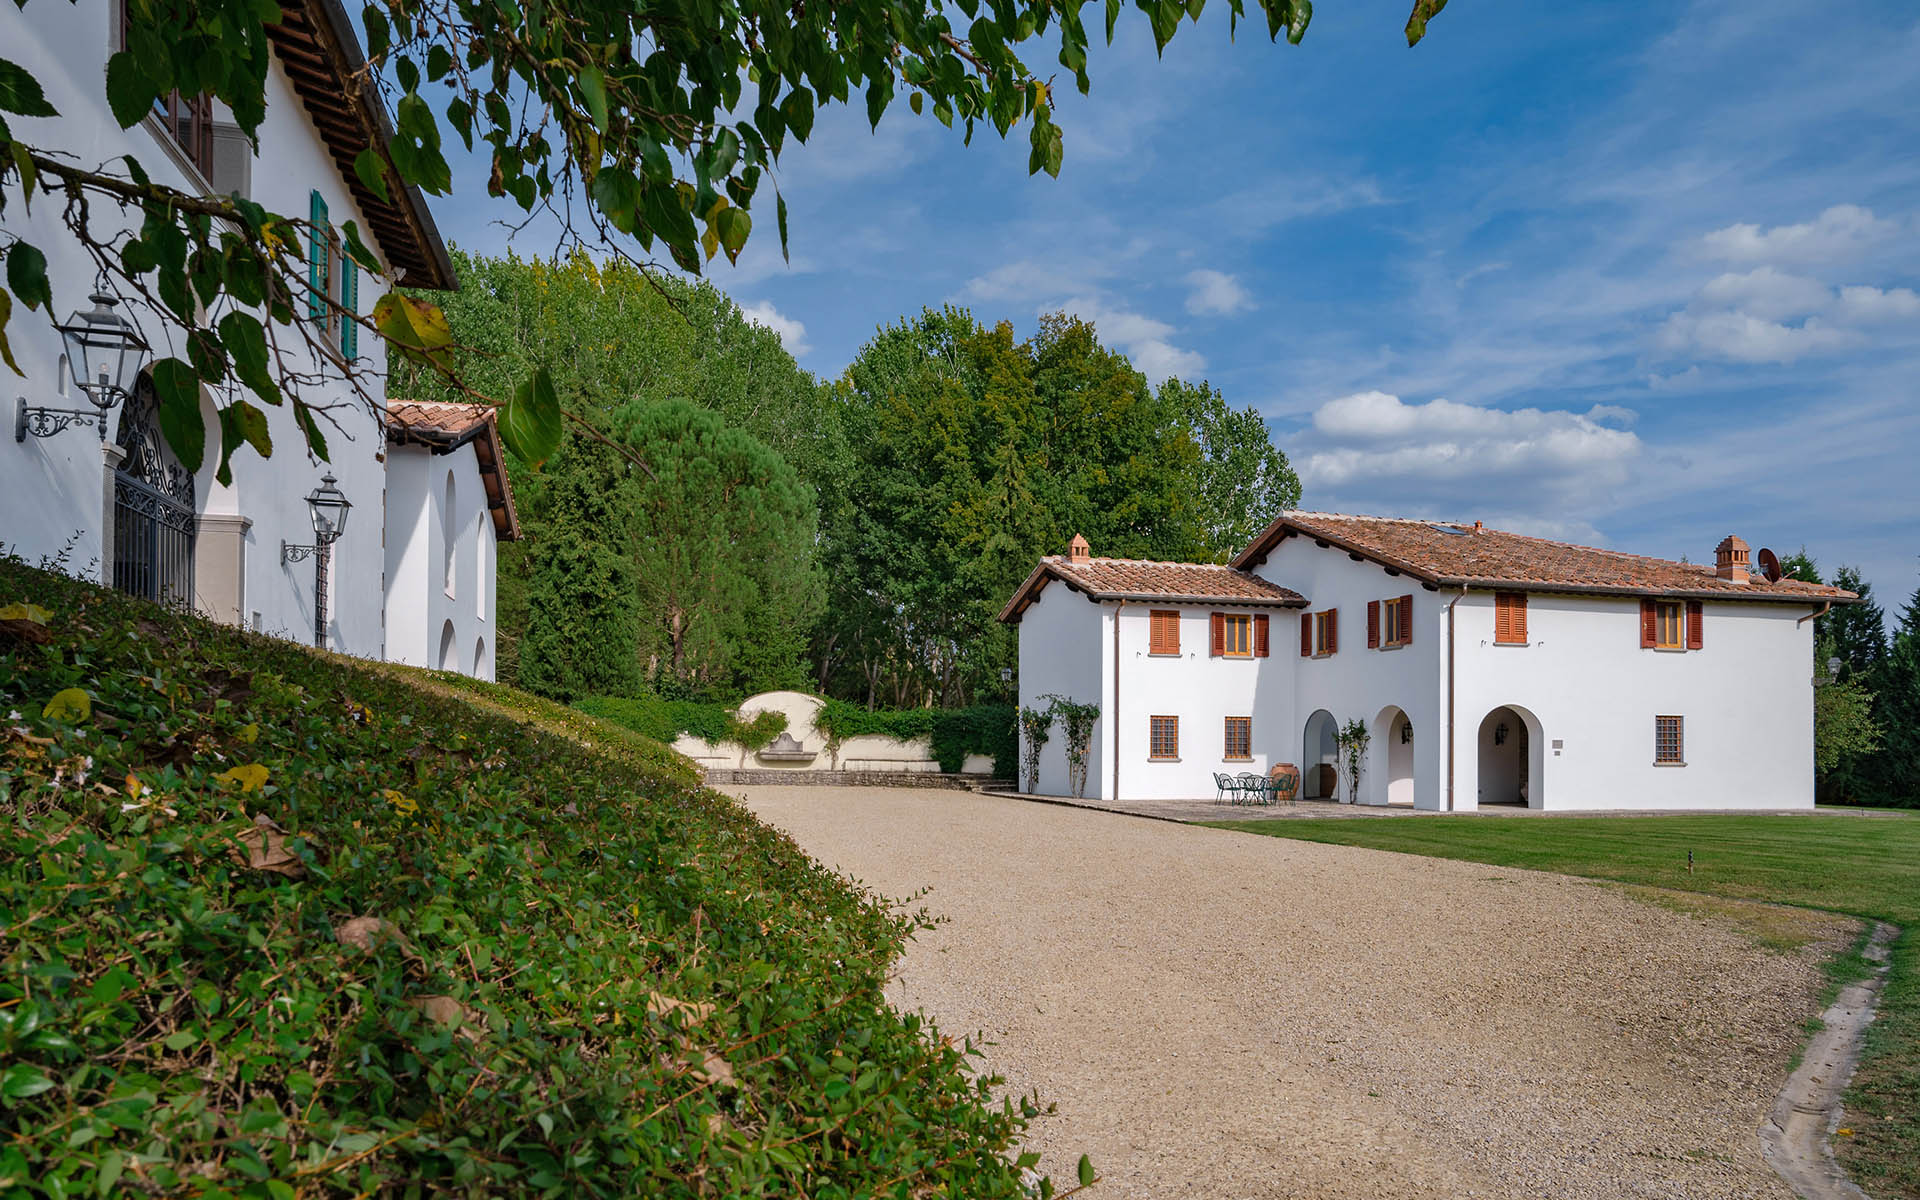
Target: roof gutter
1113,725
1823,611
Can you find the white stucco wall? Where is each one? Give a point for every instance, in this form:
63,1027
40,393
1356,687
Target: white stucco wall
1065,644
420,605
52,488
1356,683
1584,682
869,752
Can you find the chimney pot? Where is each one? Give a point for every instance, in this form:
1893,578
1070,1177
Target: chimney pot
1078,550
1732,559
1479,528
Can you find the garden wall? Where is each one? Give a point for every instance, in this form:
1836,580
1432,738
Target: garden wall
803,752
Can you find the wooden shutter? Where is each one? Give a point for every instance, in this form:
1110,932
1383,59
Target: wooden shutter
318,244
1219,634
349,300
1261,648
1510,618
1696,635
1649,624
1373,624
1406,619
1163,631
1333,631
1306,635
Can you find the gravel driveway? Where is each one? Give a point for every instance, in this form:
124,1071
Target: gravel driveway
1224,1015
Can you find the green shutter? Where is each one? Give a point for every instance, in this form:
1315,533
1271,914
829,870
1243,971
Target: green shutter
317,247
349,300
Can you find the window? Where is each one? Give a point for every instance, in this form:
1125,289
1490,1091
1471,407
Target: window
481,544
1163,631
1668,631
1163,737
1233,635
1390,622
1319,633
1509,618
1669,742
186,120
1239,743
333,281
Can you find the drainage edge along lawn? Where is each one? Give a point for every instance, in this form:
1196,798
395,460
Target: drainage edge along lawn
1862,863
283,923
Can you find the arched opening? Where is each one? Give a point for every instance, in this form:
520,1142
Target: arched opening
155,513
480,566
447,662
1509,758
480,659
1319,758
1392,755
447,536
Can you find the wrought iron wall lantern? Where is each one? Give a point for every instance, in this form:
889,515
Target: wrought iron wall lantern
1406,733
1500,734
105,354
327,506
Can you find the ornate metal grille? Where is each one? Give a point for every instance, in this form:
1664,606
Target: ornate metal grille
153,509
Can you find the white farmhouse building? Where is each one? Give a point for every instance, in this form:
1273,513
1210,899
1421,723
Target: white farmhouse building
1490,668
105,497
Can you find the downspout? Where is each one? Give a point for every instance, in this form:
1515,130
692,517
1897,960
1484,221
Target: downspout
1824,609
1450,604
1113,722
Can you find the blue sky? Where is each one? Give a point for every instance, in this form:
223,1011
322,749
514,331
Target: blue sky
1638,276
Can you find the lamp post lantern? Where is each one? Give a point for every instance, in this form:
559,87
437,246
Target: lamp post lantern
105,354
327,506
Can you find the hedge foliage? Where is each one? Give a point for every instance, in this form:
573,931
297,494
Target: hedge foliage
662,720
278,923
955,732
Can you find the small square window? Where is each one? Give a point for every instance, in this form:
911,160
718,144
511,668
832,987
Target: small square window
1163,740
1669,741
1239,744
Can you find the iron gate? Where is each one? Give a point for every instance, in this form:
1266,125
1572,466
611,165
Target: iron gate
153,509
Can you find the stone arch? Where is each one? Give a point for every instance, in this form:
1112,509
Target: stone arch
447,661
1317,749
1391,757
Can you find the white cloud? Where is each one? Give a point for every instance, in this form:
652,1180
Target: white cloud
1770,316
1768,294
1845,231
1216,292
792,333
1868,304
1144,339
1026,278
1743,337
1378,443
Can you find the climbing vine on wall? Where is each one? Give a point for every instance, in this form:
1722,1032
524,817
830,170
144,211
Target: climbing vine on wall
1076,721
1035,726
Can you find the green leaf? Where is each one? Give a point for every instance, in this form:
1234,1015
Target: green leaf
412,324
130,94
1086,1171
177,387
780,211
20,92
797,108
27,275
593,89
367,168
6,350
22,1081
111,1167
530,423
1423,11
733,225
357,249
29,174
252,424
71,705
316,441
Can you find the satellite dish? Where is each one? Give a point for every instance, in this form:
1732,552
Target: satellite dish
1770,565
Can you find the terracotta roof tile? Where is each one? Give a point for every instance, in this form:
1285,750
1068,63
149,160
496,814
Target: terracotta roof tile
1452,555
1140,579
445,427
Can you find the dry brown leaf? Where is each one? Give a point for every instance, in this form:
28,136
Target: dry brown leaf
266,850
445,1010
364,933
708,1067
660,1004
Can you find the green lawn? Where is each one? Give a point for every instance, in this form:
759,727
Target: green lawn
1866,864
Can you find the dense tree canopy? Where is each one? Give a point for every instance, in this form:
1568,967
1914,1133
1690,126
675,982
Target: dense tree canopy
648,125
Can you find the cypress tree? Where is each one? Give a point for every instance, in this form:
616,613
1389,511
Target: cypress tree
583,627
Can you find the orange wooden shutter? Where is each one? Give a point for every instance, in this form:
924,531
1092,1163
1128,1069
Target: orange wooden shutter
1406,619
1164,635
1649,625
1518,616
1696,636
1333,631
1260,646
1306,635
1219,634
1373,624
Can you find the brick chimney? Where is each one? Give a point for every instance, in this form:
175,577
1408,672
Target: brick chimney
1479,528
1730,559
1078,550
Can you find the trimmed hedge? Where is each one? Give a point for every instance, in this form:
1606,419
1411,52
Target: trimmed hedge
282,923
955,732
662,720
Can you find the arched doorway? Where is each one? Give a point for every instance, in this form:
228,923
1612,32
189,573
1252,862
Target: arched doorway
1392,753
1319,758
1509,758
154,518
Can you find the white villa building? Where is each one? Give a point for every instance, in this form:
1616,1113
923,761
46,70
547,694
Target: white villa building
104,497
1490,668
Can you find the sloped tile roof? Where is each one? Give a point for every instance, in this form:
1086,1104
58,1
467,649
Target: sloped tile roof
444,427
1455,555
1140,579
